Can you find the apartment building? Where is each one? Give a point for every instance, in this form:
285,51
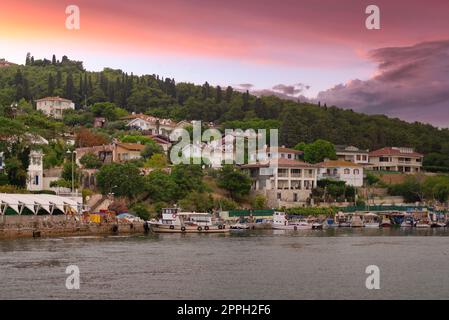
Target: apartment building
399,159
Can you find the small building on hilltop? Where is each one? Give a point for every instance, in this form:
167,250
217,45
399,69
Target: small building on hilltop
352,154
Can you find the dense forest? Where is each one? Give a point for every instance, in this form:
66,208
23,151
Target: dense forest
163,97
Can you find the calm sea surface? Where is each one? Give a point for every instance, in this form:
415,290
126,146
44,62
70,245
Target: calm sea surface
266,264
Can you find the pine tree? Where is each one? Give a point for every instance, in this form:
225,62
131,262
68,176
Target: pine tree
229,92
218,95
69,86
59,79
53,60
28,58
51,85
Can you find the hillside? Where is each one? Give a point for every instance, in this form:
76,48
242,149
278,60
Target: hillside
163,97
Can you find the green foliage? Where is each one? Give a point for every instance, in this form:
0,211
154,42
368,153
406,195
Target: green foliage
197,201
157,161
237,183
315,211
90,161
68,171
259,202
225,204
140,210
121,179
410,189
161,187
188,178
371,179
318,151
151,148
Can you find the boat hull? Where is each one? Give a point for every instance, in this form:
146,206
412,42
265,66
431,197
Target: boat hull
187,229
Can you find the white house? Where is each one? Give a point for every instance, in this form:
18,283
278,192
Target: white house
349,172
400,159
54,106
352,154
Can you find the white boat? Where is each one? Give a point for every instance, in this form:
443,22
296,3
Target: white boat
356,221
239,226
422,219
281,222
408,221
342,220
173,221
371,220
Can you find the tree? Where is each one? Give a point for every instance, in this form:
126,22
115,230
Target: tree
157,161
237,183
69,89
91,161
16,171
161,187
197,201
151,148
141,211
53,60
50,85
259,202
67,173
120,179
188,178
318,151
86,138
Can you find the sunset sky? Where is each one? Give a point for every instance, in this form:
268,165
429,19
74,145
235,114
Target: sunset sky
319,49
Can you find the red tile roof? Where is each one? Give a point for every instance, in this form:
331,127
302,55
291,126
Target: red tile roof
394,151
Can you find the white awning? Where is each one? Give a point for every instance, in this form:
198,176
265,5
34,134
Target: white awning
34,202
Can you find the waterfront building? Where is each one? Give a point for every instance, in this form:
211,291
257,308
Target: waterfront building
35,181
287,184
54,106
399,159
349,172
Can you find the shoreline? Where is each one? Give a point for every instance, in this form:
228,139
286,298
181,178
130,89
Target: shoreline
12,232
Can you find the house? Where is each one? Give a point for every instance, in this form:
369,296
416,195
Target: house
162,141
151,125
282,152
398,159
54,106
126,151
352,154
4,63
349,172
103,152
289,183
35,181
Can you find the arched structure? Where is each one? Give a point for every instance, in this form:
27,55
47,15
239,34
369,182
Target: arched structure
36,202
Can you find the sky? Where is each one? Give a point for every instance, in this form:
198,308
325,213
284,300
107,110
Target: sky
318,50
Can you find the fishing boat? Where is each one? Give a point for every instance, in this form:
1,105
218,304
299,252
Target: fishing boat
329,222
173,221
281,222
371,220
239,226
342,220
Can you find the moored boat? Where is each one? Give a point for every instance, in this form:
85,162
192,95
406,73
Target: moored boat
385,221
342,220
281,222
173,221
371,220
422,219
356,221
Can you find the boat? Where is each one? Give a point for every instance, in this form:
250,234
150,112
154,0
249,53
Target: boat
385,221
408,221
239,226
356,221
437,220
281,222
371,220
342,220
422,219
174,221
329,223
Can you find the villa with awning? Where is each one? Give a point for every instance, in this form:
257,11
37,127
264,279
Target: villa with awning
38,204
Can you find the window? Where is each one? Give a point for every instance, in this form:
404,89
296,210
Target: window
279,196
359,157
295,197
364,157
36,180
347,171
384,159
289,155
356,171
